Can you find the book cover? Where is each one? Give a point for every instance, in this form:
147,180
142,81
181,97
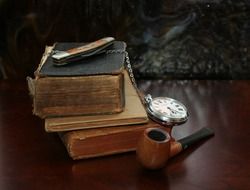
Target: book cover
89,143
94,85
134,113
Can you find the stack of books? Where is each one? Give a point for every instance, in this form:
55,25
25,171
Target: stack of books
91,103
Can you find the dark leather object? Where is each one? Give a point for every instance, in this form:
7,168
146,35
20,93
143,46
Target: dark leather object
96,64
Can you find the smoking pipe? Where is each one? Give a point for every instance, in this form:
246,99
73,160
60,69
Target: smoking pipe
156,146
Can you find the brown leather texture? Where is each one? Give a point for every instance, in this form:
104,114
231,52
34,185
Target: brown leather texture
33,159
90,143
67,96
133,113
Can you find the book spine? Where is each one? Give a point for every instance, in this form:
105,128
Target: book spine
101,145
85,144
103,94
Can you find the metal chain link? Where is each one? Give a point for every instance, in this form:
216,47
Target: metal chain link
128,64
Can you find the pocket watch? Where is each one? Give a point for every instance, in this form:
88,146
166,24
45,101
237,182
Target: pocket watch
166,111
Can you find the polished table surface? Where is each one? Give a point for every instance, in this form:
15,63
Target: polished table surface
30,158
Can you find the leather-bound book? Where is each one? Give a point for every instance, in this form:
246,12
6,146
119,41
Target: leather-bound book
97,142
134,113
93,85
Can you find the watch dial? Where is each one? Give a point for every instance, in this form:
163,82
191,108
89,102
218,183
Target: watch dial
168,107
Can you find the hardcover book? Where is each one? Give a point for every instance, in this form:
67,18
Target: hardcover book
134,113
94,85
97,142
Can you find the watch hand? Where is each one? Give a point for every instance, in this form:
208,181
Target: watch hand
172,111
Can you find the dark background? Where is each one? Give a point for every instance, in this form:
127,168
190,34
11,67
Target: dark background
190,39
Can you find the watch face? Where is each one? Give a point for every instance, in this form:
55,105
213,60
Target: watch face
168,110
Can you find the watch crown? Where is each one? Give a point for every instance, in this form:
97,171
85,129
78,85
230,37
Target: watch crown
148,98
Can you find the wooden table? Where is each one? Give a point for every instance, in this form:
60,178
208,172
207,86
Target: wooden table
30,158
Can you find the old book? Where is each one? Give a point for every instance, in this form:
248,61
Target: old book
134,113
90,143
94,85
